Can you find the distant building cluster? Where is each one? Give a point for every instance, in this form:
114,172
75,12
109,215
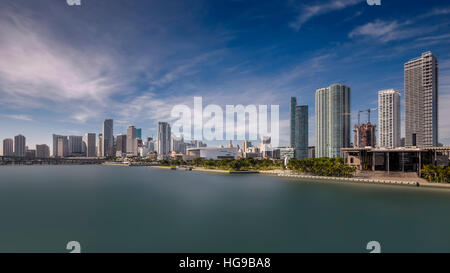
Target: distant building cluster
332,128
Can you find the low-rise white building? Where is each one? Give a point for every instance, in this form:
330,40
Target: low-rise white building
213,152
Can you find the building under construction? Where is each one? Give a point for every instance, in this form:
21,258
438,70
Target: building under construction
365,135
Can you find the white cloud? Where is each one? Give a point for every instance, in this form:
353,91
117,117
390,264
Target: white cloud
37,66
19,117
384,31
307,12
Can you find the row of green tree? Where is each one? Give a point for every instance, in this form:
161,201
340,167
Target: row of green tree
439,174
229,164
322,167
315,166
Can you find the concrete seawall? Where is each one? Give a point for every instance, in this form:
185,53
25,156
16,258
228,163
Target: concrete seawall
354,180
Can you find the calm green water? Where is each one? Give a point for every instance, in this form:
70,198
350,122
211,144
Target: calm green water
119,209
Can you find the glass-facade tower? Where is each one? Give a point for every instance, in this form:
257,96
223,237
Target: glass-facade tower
332,115
301,131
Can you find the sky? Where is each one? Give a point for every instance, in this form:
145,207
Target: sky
64,69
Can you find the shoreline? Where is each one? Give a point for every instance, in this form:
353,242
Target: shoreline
198,169
356,180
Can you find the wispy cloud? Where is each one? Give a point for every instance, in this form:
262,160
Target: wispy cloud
36,65
384,31
394,30
308,12
19,117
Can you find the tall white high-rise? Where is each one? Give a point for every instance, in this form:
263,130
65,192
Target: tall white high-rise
332,120
63,147
389,118
108,138
131,146
100,145
19,146
90,144
421,101
164,135
8,147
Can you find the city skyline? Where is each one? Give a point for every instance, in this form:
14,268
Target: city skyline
231,66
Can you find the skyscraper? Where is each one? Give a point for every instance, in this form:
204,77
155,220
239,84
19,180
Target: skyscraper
332,114
164,136
75,145
389,118
421,101
55,144
100,145
8,147
108,138
292,120
90,144
139,133
63,147
19,146
121,144
301,132
299,128
131,141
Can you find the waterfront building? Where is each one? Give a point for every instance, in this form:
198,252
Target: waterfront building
421,101
389,118
131,145
151,145
364,135
90,144
164,135
29,153
19,146
213,153
84,148
55,144
100,145
108,137
299,128
143,151
63,147
292,106
178,145
75,145
42,151
8,147
121,145
332,118
301,132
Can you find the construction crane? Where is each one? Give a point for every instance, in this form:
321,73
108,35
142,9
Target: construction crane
368,114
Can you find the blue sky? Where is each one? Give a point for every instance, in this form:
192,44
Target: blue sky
63,69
